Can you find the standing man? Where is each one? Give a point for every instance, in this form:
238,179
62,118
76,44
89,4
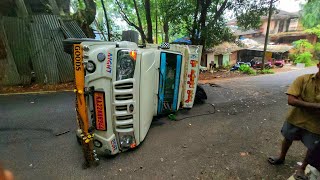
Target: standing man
303,120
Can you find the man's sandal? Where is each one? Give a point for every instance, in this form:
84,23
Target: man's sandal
300,176
275,160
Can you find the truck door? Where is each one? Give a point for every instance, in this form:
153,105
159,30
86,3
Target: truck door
169,81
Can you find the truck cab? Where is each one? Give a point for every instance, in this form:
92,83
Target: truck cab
126,86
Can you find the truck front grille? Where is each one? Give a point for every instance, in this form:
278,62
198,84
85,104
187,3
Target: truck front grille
123,118
128,85
127,126
124,98
121,108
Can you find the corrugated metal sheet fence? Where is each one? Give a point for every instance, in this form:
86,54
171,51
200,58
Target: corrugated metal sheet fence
17,36
36,46
64,63
8,74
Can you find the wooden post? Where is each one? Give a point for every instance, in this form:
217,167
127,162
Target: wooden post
267,35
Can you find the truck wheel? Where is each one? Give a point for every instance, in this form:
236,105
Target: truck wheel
78,140
201,95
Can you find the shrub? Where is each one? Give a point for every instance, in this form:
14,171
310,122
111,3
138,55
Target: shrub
305,58
266,71
246,69
303,45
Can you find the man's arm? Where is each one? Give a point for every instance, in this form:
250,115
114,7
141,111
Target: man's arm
294,101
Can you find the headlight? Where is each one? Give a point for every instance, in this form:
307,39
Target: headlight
125,65
126,141
90,66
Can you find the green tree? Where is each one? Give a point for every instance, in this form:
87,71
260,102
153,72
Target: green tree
311,14
201,20
303,52
303,45
315,30
132,12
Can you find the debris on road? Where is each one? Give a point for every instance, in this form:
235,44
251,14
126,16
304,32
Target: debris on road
65,132
244,154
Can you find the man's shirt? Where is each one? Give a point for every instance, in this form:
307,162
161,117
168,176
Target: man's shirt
307,88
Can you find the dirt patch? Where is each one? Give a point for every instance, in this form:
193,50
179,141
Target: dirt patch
284,69
226,74
221,74
37,88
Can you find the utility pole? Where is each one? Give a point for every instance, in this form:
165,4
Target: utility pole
267,34
156,22
107,20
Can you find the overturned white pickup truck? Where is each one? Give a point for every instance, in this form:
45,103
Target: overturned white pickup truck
125,86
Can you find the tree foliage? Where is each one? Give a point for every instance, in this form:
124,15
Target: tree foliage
314,30
303,45
311,14
201,20
304,52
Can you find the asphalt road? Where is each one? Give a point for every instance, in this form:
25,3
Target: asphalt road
232,143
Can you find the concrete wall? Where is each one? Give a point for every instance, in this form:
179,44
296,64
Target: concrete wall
210,57
264,25
233,58
226,59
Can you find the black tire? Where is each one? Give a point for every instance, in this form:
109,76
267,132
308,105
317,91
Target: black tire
78,140
201,95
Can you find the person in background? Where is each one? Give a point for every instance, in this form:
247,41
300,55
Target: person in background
5,174
303,120
212,65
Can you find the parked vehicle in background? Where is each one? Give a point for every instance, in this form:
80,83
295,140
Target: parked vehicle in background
279,63
238,64
258,65
203,68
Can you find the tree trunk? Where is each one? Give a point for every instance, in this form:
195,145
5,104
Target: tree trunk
149,22
166,30
195,18
143,36
90,11
107,20
54,7
203,17
21,8
86,17
64,7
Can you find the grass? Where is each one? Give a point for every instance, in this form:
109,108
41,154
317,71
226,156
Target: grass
265,71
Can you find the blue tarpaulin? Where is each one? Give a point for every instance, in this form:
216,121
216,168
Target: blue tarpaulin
184,40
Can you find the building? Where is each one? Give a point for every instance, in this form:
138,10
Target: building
222,55
273,52
289,37
281,21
